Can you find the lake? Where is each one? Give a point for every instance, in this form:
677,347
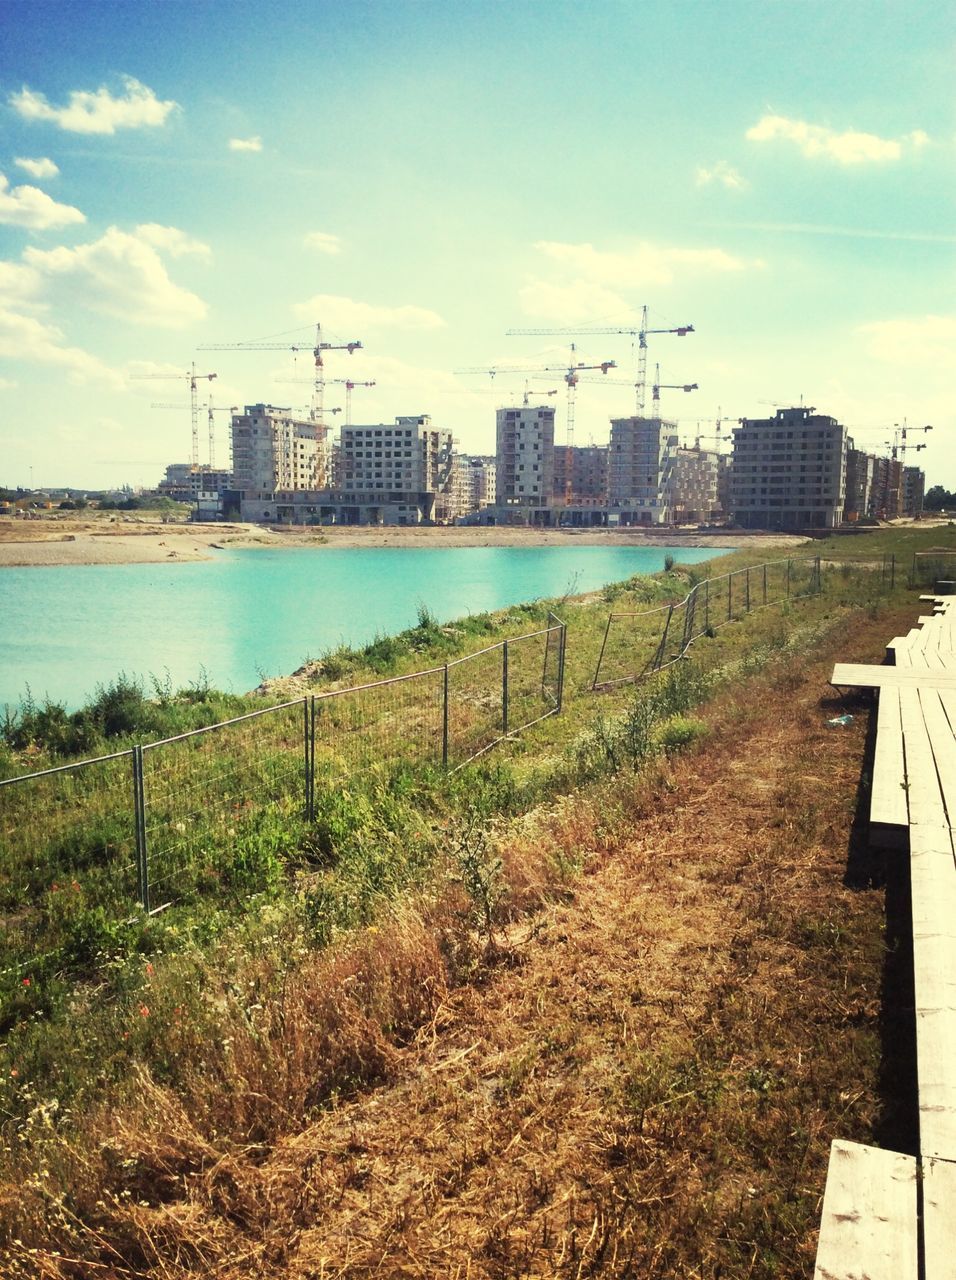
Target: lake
251,613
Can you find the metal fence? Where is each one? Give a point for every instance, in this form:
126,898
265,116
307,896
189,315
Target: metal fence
638,643
173,819
929,567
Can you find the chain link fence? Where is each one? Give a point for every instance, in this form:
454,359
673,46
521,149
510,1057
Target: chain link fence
171,820
638,643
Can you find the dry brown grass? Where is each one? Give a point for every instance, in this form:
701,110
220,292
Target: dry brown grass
641,1078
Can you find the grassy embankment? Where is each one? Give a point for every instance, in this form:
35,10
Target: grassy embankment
243,1017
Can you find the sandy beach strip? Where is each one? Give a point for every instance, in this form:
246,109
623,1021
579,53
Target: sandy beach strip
99,542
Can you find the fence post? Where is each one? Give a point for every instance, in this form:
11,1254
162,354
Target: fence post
707,604
892,570
564,641
747,591
504,687
730,597
308,725
816,574
662,647
765,584
444,721
597,669
690,610
788,578
139,814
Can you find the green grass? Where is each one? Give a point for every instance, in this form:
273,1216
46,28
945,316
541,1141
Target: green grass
228,841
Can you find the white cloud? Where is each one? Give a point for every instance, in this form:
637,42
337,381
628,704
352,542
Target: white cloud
245,144
30,207
724,174
18,284
98,112
850,147
41,168
121,275
914,341
644,265
171,240
25,338
580,301
324,241
345,313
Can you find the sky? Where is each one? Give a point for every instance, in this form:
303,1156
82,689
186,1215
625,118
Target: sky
423,177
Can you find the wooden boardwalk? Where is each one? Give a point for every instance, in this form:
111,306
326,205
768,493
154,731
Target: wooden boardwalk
881,1225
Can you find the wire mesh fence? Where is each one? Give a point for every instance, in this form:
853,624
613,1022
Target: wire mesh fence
201,793
638,643
82,817
173,820
930,567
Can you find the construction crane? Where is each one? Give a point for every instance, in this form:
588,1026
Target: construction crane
318,382
665,386
572,376
212,410
349,386
899,444
641,334
192,378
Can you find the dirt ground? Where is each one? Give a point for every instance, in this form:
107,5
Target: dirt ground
646,1078
119,538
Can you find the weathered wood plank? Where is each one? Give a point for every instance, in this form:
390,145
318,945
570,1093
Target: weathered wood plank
859,675
868,1226
888,806
939,1220
943,745
933,883
923,795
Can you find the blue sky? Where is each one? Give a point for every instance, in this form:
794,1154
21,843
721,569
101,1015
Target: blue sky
423,177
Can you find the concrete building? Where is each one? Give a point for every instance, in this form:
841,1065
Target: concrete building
914,486
525,459
273,452
860,468
886,496
584,482
406,471
693,485
640,459
184,482
788,471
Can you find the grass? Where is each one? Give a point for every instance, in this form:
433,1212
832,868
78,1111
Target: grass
292,972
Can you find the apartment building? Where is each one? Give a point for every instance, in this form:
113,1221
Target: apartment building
640,460
789,471
860,468
525,456
184,482
405,471
693,485
274,452
580,475
886,496
914,486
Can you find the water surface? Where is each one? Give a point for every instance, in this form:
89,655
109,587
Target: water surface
251,613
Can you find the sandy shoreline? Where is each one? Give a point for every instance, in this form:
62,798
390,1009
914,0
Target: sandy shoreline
100,541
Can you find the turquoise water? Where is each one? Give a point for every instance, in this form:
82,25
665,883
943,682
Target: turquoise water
253,613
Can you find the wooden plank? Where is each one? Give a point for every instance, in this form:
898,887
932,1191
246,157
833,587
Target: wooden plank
943,745
859,675
939,1220
868,1224
923,795
888,807
933,884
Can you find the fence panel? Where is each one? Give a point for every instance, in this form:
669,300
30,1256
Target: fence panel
380,723
632,642
203,792
67,848
552,679
930,567
477,709
529,696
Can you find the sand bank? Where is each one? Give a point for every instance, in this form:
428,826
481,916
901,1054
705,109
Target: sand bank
100,540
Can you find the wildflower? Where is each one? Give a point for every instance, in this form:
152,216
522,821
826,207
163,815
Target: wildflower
149,969
54,887
144,1010
14,1072
26,982
75,886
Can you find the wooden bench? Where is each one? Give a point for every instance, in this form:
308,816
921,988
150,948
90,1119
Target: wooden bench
868,1228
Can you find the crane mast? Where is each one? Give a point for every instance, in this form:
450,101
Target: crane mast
193,378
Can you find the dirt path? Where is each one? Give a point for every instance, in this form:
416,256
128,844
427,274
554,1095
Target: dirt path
647,1084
